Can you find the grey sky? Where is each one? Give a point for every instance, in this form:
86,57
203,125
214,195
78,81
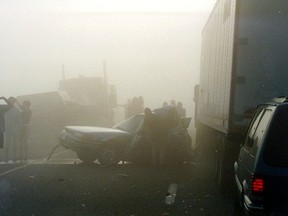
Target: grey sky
155,55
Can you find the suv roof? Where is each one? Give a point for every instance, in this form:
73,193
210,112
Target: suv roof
279,100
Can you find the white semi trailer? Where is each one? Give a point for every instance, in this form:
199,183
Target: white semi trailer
244,62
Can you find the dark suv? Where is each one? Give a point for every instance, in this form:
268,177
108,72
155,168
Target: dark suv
261,171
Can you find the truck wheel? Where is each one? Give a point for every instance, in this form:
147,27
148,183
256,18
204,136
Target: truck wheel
219,164
109,155
87,157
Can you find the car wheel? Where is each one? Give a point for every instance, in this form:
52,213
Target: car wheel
87,157
109,155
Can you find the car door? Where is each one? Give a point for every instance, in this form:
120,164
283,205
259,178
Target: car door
249,151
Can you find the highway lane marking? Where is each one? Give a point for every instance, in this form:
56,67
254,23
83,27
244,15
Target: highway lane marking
29,164
14,169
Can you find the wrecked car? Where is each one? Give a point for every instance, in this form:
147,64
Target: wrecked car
125,141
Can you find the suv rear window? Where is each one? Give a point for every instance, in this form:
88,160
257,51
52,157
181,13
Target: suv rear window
276,147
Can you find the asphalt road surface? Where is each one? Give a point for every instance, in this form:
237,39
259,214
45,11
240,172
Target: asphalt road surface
65,186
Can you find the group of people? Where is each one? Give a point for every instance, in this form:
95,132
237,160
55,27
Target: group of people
156,129
14,128
134,106
181,111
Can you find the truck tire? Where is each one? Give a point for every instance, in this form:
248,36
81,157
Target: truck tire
219,164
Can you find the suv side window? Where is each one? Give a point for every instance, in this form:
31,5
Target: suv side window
257,130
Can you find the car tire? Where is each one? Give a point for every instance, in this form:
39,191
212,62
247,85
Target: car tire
86,156
109,155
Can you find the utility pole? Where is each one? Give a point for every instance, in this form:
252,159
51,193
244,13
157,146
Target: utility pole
105,87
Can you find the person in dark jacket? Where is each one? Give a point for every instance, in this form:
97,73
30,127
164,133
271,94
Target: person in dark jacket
3,108
154,129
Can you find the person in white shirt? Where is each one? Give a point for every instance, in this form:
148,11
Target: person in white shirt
3,108
12,131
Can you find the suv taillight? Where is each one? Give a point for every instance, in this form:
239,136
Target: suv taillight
257,185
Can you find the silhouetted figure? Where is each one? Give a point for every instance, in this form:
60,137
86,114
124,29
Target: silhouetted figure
134,107
173,102
170,120
13,128
181,111
164,104
172,133
26,113
153,127
3,108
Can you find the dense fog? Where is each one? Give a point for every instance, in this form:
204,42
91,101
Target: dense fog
150,50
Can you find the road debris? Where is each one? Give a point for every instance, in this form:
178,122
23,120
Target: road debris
171,194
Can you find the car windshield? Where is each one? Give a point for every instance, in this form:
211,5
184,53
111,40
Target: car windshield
131,125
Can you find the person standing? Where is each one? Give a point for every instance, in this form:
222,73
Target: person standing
181,111
3,108
173,102
12,130
26,113
164,104
154,130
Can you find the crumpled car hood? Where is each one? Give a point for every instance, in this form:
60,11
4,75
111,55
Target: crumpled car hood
99,133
